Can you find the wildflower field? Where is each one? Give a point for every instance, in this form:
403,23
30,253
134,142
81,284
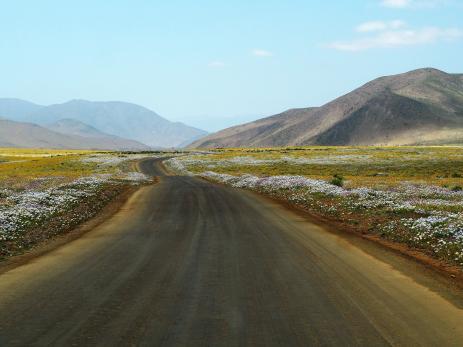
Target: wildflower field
410,195
44,193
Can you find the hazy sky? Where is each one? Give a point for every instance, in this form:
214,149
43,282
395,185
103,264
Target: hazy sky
215,63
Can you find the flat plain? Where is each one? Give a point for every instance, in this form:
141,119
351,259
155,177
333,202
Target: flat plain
186,262
200,255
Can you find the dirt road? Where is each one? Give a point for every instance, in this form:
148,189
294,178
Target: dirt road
186,262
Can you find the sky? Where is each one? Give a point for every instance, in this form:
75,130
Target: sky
213,64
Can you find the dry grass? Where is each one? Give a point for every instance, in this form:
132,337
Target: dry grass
360,166
20,167
32,152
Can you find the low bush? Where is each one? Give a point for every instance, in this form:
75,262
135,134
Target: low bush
337,180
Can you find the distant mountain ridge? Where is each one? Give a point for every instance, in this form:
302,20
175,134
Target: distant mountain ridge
28,135
423,106
16,108
116,118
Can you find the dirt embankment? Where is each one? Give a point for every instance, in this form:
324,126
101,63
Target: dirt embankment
65,227
363,230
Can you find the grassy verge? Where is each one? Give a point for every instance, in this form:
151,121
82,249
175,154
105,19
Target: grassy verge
60,223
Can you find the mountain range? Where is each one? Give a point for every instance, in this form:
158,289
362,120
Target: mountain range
419,107
28,135
423,106
113,122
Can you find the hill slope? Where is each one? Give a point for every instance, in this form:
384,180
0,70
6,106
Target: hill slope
74,127
115,118
419,107
27,135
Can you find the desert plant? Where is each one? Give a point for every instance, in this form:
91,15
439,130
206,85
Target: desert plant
337,180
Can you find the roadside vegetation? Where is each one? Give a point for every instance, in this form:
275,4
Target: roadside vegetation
410,195
44,193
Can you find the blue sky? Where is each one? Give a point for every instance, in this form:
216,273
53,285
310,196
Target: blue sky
212,64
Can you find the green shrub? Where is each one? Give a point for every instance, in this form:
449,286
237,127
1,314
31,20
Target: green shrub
337,180
457,189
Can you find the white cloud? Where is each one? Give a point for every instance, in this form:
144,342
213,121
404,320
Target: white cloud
396,3
412,3
261,53
390,38
379,26
217,64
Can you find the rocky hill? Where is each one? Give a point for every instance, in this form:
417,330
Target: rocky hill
423,106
